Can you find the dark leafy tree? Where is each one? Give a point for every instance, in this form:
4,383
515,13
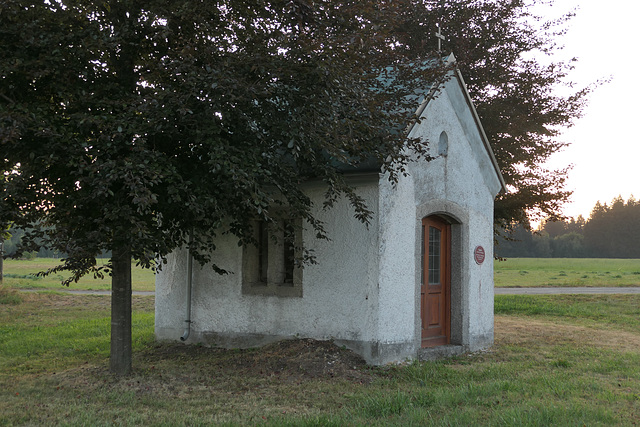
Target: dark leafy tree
127,126
498,45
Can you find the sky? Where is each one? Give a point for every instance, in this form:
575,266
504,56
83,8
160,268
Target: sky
605,142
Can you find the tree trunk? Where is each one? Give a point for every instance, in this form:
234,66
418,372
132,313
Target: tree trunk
120,358
1,260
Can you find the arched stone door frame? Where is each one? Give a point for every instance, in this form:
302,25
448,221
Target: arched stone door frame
457,218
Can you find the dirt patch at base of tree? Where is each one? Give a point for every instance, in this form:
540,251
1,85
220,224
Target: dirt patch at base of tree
178,370
294,360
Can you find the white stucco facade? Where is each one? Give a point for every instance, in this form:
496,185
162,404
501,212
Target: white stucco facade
364,291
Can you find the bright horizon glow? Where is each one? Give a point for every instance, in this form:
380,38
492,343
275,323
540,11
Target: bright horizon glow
605,147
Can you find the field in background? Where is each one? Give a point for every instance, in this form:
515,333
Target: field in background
554,272
553,363
514,272
22,274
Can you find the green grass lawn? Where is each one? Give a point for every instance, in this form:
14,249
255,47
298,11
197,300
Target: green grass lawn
539,272
556,361
22,274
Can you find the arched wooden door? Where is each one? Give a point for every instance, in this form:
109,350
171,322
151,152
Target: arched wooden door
435,292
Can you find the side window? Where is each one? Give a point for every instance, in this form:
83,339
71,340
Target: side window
443,144
269,267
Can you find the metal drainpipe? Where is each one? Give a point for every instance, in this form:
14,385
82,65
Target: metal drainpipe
187,327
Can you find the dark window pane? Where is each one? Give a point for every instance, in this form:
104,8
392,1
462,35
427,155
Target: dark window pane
263,251
289,252
434,255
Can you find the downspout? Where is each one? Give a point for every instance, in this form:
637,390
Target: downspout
187,326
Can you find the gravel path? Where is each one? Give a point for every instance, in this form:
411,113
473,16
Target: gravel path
570,290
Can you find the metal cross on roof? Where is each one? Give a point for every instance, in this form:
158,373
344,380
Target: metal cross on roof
440,37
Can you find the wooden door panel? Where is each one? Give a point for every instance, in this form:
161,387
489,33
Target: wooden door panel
435,287
434,319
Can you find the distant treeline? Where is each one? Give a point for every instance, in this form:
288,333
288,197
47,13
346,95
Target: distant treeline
11,245
612,231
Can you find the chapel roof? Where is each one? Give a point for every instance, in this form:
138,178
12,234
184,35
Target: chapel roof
372,165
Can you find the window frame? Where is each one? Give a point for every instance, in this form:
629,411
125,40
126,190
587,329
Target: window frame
272,248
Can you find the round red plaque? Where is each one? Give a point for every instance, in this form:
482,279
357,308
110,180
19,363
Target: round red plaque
478,254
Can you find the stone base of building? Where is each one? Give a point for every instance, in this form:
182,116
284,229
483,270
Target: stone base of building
374,353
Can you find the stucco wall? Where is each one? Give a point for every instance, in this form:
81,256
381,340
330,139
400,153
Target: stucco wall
396,254
340,294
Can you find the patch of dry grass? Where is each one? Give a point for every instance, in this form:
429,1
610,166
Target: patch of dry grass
510,330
